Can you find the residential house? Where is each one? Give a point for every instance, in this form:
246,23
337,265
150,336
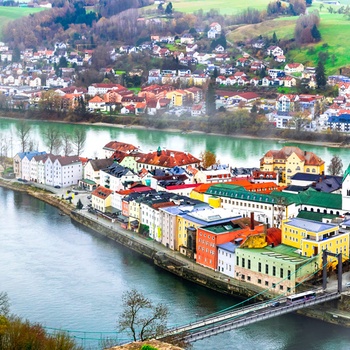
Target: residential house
293,68
101,199
91,177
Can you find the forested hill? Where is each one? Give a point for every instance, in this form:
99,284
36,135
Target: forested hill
66,20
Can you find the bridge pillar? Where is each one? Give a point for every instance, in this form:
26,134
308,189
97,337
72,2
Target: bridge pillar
324,269
340,273
325,253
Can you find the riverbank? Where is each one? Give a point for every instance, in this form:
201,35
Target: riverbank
174,262
263,135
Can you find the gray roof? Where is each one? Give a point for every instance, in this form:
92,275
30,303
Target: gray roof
310,225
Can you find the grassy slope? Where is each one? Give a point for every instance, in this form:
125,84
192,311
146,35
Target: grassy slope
335,31
225,7
10,13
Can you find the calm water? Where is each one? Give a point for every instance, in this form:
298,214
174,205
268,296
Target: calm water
235,151
65,276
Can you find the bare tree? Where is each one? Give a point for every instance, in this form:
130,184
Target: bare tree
23,132
336,166
4,304
78,140
66,144
52,139
141,317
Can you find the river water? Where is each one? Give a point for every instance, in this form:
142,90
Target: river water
235,151
65,276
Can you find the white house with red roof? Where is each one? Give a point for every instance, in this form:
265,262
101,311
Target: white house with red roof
293,68
97,104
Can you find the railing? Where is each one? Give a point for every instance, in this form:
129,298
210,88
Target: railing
241,317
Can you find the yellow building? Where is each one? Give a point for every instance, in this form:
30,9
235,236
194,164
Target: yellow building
310,238
101,198
179,97
291,160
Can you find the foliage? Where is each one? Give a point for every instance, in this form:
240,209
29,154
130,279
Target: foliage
336,166
207,159
320,75
148,347
79,204
18,334
4,304
306,28
140,317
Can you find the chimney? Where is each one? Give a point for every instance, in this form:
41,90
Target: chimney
252,221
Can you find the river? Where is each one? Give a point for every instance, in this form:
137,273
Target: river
65,276
238,152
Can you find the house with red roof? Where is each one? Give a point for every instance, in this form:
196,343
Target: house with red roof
101,199
164,159
293,68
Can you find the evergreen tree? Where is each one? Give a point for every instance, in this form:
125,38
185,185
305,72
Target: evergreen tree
274,38
320,75
169,9
210,100
315,33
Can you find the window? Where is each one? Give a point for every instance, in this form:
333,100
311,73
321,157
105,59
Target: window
281,273
248,263
289,276
273,270
259,281
267,269
248,278
243,262
259,266
266,283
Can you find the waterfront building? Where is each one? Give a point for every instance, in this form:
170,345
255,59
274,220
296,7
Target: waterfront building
209,237
289,161
188,224
67,171
278,268
310,238
21,163
101,199
227,258
114,146
169,220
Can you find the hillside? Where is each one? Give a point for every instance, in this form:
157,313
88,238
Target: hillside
334,28
10,13
225,7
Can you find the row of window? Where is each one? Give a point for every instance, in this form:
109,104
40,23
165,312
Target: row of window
267,269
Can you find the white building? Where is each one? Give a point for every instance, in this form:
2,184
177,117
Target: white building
227,258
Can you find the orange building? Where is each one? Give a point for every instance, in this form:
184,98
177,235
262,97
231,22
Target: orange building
209,237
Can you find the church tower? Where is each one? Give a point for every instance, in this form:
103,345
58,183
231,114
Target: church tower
345,192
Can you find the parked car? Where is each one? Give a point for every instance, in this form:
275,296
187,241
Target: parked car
57,186
275,304
347,284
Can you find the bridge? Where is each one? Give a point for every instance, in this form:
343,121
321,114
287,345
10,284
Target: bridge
229,320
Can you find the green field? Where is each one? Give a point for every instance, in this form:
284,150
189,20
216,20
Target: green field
10,13
225,7
335,31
